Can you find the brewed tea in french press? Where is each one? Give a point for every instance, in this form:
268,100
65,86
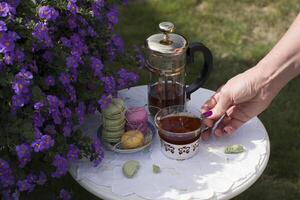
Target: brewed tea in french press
166,57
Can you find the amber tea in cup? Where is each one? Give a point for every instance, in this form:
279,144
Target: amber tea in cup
183,127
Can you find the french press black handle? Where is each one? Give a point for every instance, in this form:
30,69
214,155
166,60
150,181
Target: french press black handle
207,66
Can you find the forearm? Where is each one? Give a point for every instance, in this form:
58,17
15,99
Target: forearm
282,63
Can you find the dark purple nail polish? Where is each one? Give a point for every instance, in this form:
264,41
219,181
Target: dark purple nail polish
207,114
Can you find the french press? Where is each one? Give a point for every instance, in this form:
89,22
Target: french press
166,56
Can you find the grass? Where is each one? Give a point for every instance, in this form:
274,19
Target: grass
239,33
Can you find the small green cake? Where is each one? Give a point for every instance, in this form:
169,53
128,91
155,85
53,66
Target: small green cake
130,168
155,169
234,149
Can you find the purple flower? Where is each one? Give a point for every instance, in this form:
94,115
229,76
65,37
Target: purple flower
97,66
78,46
9,57
96,146
67,129
82,21
82,33
50,81
53,101
91,108
48,56
40,32
25,186
4,9
73,152
37,133
92,32
104,101
6,177
72,93
95,11
65,195
48,13
72,22
67,113
109,84
64,79
54,104
24,154
7,42
20,86
38,105
112,16
139,58
66,42
118,43
38,119
111,52
24,74
72,7
50,129
18,101
126,79
56,117
42,144
99,3
19,55
31,178
42,178
3,26
61,164
13,3
72,62
80,110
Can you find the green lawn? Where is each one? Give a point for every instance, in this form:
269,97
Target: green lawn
239,33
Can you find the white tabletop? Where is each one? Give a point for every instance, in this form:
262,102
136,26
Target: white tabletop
234,174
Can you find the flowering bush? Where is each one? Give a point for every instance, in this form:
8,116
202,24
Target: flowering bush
59,60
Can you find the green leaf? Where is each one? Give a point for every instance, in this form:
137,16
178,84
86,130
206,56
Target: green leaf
37,93
26,130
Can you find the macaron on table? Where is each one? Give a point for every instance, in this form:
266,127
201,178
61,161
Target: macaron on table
125,130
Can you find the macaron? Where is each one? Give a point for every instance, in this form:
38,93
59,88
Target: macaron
113,121
119,125
115,109
137,119
132,139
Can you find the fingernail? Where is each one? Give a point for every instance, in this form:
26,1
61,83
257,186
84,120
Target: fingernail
218,132
207,114
228,129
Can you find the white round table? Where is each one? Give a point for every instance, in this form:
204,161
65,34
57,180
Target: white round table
210,174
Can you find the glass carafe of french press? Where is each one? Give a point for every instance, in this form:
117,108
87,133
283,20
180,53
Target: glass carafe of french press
166,58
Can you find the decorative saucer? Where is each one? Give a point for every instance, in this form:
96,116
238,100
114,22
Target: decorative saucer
118,147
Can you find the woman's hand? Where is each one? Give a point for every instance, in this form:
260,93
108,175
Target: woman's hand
241,98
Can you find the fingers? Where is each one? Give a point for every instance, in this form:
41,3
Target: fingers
209,104
208,123
234,119
223,102
205,135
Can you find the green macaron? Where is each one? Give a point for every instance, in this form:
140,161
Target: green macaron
113,122
115,108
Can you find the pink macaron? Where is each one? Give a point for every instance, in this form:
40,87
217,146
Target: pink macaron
137,119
